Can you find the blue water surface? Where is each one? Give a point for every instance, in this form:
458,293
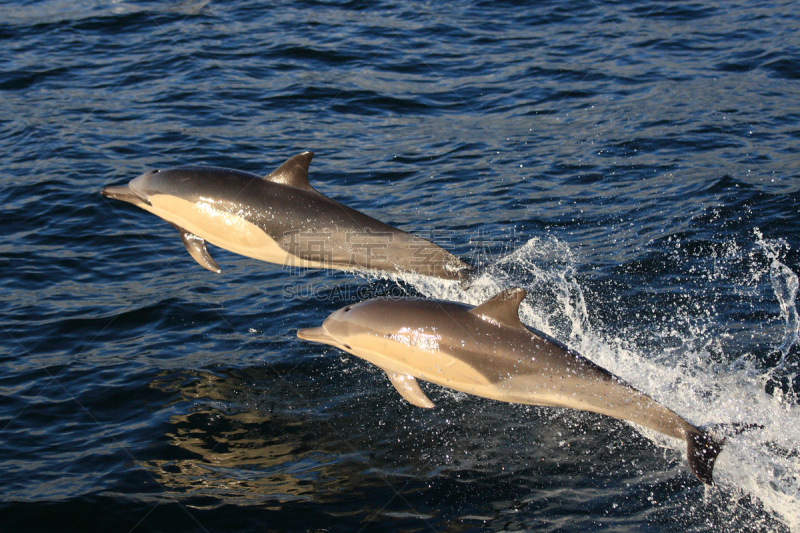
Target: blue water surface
633,165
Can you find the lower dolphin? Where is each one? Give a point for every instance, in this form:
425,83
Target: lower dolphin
487,351
280,218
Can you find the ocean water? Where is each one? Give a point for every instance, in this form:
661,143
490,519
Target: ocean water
635,166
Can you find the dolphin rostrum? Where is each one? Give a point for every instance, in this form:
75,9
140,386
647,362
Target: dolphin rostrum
487,351
280,218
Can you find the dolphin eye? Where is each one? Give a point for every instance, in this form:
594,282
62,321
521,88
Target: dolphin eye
347,346
349,307
156,171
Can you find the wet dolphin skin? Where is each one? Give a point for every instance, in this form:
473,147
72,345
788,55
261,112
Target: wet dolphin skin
280,218
487,351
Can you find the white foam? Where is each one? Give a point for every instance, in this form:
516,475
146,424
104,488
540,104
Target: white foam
763,463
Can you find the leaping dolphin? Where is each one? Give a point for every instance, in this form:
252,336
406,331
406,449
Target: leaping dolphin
280,218
487,351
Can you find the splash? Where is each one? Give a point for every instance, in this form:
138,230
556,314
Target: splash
784,284
725,388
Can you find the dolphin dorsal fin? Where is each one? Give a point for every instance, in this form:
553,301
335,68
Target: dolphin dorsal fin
502,308
293,172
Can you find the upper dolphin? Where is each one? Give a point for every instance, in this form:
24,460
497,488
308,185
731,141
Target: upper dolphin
487,351
280,218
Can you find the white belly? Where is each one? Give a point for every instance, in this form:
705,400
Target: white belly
226,230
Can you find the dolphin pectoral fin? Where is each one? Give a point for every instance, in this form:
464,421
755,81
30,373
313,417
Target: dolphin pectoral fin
409,389
196,246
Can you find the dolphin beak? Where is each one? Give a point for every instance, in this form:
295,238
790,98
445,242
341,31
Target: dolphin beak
125,194
315,335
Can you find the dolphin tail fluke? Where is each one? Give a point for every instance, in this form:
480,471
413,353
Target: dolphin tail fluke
196,246
467,276
702,450
703,446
